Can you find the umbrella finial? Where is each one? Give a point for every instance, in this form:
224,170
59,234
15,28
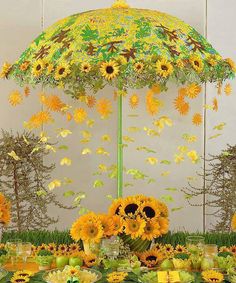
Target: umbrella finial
120,4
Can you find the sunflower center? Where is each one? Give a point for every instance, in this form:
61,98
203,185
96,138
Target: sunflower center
117,210
151,258
61,71
139,67
109,69
150,212
148,229
134,226
20,280
164,67
92,231
196,63
131,208
38,68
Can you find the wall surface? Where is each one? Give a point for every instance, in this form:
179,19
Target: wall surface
22,20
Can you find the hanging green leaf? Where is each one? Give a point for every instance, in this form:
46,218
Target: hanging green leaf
98,184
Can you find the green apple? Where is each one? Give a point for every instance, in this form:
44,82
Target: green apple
167,264
62,261
207,264
74,261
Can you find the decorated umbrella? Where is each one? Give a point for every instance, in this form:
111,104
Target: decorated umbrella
122,47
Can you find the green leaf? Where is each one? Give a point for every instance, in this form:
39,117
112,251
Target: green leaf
63,147
171,189
177,208
69,194
98,184
166,162
167,198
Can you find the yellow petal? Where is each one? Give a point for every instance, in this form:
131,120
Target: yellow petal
152,160
63,132
106,138
86,151
14,155
86,134
50,147
165,173
183,148
102,151
193,156
178,158
65,161
128,139
54,184
90,123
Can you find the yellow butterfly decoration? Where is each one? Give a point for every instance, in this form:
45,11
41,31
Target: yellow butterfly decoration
102,151
102,168
128,139
86,151
193,156
151,132
183,148
86,134
134,129
164,120
220,126
14,155
178,158
152,160
43,137
65,161
54,184
50,147
63,132
106,138
165,173
90,123
66,108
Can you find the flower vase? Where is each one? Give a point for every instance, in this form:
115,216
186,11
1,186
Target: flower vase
136,245
91,248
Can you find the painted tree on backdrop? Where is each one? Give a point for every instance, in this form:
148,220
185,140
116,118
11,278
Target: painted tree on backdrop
22,179
220,188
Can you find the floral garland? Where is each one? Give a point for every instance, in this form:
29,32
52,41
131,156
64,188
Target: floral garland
4,210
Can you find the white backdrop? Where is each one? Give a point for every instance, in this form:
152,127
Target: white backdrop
22,20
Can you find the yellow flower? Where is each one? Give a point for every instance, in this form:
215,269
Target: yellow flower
92,232
5,70
54,184
211,276
109,70
212,60
215,104
65,161
24,273
134,101
164,68
151,258
107,224
80,115
4,209
114,208
116,277
21,279
164,225
73,272
24,66
15,98
52,102
231,64
118,224
197,119
233,222
180,63
151,230
153,104
50,68
193,156
180,249
91,101
104,107
179,158
196,63
139,66
193,90
150,209
228,89
62,71
134,227
85,67
38,119
38,68
90,260
129,206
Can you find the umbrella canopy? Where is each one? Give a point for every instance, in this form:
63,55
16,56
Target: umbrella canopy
121,46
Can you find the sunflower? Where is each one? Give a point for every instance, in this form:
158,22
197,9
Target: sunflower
150,209
62,71
24,273
92,232
26,91
156,89
134,227
85,67
38,119
15,98
50,68
114,208
24,66
118,224
109,70
212,60
197,119
74,248
233,222
5,70
80,115
116,277
91,101
153,104
38,68
164,68
138,67
163,208
215,104
168,249
90,260
231,63
180,249
164,225
73,272
134,101
232,249
62,248
151,230
228,89
212,276
129,207
19,279
53,103
52,247
180,63
151,258
107,224
193,90
104,107
196,63
181,106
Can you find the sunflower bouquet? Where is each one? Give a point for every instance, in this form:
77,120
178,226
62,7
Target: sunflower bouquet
4,210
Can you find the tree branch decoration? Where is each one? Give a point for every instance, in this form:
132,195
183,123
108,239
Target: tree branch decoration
23,175
220,179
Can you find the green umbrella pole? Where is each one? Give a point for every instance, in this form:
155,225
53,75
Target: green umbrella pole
120,150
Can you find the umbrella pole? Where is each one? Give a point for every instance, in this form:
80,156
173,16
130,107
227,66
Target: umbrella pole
119,150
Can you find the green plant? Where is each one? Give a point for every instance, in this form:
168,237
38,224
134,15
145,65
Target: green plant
44,253
182,256
3,252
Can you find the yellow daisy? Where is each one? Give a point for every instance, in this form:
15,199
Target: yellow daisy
109,70
164,68
15,98
80,115
130,206
228,89
193,90
196,63
90,260
134,227
197,119
24,66
104,107
114,208
151,258
92,232
134,101
24,273
85,67
5,70
211,276
150,209
151,230
19,279
38,119
53,103
62,71
118,224
38,68
107,224
138,67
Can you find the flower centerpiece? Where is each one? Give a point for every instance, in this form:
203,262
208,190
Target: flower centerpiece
136,219
4,212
